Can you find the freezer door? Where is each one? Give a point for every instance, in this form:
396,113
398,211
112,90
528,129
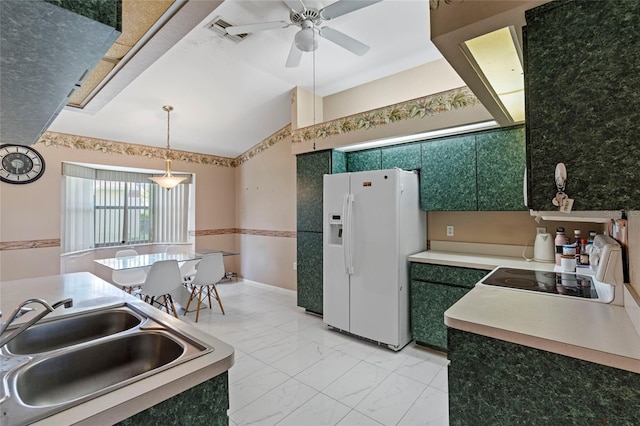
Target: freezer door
335,290
374,282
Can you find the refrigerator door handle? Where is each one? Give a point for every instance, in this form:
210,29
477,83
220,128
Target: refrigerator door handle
349,233
345,233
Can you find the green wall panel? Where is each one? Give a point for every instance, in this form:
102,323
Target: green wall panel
582,74
108,12
493,382
309,268
448,174
310,171
407,157
501,165
359,161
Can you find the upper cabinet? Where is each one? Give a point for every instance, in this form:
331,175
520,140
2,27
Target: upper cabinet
582,80
501,157
310,171
479,171
448,174
46,52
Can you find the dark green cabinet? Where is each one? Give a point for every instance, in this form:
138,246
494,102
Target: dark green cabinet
434,289
359,161
309,268
501,160
406,157
310,171
582,74
448,174
494,382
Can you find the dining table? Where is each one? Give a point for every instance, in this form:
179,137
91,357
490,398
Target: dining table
146,260
180,295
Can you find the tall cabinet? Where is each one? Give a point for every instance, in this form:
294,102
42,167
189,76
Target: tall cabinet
310,169
582,80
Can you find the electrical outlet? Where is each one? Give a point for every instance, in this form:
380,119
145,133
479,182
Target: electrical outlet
541,229
449,230
295,266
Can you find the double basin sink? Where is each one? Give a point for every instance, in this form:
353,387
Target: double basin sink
55,365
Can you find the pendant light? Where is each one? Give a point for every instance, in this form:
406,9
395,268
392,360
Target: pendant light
168,180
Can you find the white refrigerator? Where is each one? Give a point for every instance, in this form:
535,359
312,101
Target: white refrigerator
372,221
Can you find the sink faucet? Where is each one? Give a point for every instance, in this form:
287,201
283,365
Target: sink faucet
21,310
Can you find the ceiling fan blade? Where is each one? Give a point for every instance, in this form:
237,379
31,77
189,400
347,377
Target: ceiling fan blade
342,7
295,54
343,40
296,5
252,28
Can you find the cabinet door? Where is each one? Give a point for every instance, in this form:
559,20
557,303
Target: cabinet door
406,157
501,166
583,103
448,174
360,161
429,301
309,266
310,170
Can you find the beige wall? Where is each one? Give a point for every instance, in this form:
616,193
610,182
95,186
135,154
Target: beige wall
509,228
424,80
266,202
32,212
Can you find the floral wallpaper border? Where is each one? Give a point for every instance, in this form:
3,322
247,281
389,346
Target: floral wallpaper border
426,106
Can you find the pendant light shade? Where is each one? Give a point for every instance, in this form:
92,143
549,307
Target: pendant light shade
168,180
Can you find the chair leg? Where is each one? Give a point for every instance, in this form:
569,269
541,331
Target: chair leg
193,293
215,290
199,301
209,295
173,307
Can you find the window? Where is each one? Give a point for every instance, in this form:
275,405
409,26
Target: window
108,208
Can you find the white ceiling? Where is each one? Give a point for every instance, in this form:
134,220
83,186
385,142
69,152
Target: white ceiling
230,96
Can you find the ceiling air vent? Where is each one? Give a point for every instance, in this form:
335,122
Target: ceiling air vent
219,26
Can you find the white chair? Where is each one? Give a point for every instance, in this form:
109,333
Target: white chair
210,270
176,249
128,279
188,270
162,279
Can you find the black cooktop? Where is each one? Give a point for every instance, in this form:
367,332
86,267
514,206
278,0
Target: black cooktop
566,284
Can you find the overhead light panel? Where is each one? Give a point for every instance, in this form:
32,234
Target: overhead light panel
420,136
497,59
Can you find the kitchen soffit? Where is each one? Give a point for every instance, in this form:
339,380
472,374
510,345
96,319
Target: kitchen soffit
138,18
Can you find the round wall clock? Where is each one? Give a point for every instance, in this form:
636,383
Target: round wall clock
20,164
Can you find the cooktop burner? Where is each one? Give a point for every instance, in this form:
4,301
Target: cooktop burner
547,282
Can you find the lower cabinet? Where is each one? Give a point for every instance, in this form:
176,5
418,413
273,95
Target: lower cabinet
310,271
434,289
204,404
494,382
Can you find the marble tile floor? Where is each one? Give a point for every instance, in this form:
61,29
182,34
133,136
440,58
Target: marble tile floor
291,369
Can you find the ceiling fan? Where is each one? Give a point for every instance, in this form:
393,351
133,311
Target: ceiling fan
310,20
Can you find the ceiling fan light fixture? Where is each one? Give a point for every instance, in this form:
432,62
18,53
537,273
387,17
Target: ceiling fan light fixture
168,180
305,40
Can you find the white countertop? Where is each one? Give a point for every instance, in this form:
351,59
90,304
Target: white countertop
477,261
90,292
596,332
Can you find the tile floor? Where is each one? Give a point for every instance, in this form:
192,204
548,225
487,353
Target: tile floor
290,369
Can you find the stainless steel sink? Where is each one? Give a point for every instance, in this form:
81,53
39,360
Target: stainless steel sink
73,374
73,330
70,360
